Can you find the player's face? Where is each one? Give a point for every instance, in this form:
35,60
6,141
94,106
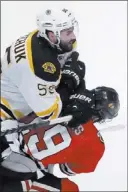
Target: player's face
67,39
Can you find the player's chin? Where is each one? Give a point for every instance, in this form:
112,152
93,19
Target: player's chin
67,46
70,46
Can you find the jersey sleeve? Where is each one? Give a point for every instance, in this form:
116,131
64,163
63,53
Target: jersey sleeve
91,153
86,165
40,95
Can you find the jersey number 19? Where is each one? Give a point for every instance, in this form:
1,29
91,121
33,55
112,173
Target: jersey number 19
42,146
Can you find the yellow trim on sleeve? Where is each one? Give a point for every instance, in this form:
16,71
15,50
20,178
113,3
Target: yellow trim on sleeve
29,50
5,102
18,114
50,110
55,114
3,115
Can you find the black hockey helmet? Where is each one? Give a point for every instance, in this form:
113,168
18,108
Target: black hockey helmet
107,103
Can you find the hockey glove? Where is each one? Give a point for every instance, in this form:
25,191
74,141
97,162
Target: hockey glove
73,72
80,106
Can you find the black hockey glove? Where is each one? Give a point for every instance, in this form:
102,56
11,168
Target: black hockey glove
80,106
107,104
73,72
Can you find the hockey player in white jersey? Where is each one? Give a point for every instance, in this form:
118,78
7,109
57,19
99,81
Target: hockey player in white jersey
31,71
32,67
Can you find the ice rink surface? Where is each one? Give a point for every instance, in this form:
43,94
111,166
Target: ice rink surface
102,45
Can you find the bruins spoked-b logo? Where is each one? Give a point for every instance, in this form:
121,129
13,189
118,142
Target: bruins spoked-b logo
49,67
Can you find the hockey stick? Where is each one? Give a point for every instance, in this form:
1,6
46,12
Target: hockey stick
112,128
53,122
37,125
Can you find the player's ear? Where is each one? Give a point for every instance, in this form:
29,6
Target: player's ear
51,36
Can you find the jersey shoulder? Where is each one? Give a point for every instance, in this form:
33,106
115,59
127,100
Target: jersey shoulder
34,54
42,58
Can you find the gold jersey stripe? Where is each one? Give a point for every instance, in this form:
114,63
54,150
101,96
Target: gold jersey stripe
5,102
50,110
55,114
3,115
29,50
16,113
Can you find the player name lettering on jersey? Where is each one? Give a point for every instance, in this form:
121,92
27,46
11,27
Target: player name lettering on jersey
19,48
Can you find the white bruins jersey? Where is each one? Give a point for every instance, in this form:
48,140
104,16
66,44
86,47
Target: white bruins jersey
30,74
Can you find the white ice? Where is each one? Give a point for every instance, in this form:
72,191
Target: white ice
102,45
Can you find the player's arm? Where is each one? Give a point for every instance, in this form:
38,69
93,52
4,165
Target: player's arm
86,165
91,150
39,93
